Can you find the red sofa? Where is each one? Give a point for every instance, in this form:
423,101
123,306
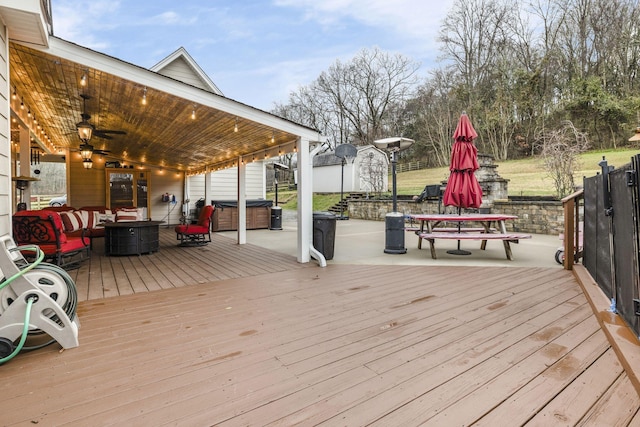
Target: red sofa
89,221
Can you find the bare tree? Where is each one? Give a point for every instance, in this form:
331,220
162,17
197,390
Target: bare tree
350,102
472,35
436,110
559,149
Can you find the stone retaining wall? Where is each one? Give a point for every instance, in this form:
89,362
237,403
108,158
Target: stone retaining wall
538,217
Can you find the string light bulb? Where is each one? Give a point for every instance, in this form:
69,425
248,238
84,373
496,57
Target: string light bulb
83,79
14,96
193,113
144,96
235,127
273,138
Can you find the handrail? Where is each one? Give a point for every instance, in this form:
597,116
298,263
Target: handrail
571,206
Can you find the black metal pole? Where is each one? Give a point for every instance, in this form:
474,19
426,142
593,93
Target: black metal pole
276,184
393,173
608,211
342,190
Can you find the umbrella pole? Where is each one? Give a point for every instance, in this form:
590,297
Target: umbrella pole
459,251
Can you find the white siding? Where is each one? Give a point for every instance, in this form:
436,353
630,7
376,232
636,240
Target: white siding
6,203
180,70
327,179
224,184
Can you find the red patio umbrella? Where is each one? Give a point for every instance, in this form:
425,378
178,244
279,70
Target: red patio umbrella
463,189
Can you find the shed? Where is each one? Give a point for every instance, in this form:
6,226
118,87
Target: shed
368,172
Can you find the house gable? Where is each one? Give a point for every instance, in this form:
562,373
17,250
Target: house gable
181,66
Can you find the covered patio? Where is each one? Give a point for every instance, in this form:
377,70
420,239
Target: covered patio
142,120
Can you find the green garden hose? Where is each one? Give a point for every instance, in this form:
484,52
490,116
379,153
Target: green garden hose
30,300
31,266
25,330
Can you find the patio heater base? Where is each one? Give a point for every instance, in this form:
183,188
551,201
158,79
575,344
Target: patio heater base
394,233
458,252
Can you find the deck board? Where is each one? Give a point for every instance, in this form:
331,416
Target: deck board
196,336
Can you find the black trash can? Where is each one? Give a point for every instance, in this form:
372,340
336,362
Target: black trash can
324,233
276,218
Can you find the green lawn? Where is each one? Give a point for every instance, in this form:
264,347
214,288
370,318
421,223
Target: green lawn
527,177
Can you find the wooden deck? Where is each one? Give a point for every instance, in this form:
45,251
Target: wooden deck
173,266
262,340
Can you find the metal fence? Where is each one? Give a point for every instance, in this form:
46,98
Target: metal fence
611,225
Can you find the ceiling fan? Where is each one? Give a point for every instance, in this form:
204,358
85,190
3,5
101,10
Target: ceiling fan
88,147
86,130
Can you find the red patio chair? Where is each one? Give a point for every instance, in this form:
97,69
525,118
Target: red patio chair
45,229
196,234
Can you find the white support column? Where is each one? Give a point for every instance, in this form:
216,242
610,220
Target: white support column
305,201
207,189
25,162
242,202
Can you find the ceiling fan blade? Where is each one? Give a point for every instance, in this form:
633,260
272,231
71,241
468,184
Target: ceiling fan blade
117,132
101,135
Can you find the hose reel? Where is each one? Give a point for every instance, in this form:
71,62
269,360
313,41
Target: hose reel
38,302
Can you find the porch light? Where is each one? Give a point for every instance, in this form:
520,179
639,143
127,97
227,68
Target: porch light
87,163
85,131
86,151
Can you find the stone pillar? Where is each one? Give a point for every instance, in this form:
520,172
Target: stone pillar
494,187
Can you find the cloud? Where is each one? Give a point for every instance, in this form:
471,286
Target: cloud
405,18
74,19
170,18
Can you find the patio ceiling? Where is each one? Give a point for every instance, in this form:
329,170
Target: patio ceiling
161,133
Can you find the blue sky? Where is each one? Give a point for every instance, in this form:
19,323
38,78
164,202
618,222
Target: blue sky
255,51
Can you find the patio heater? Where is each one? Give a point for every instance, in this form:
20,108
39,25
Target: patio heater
344,152
22,183
394,221
276,211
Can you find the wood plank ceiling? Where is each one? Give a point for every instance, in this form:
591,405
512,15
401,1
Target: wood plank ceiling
160,133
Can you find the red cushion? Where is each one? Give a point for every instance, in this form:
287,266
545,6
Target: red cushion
205,216
73,244
72,221
101,209
191,229
63,208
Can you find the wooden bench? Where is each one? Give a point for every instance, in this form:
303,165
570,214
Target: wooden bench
506,238
451,229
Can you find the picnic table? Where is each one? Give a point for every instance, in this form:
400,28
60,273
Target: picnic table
472,226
